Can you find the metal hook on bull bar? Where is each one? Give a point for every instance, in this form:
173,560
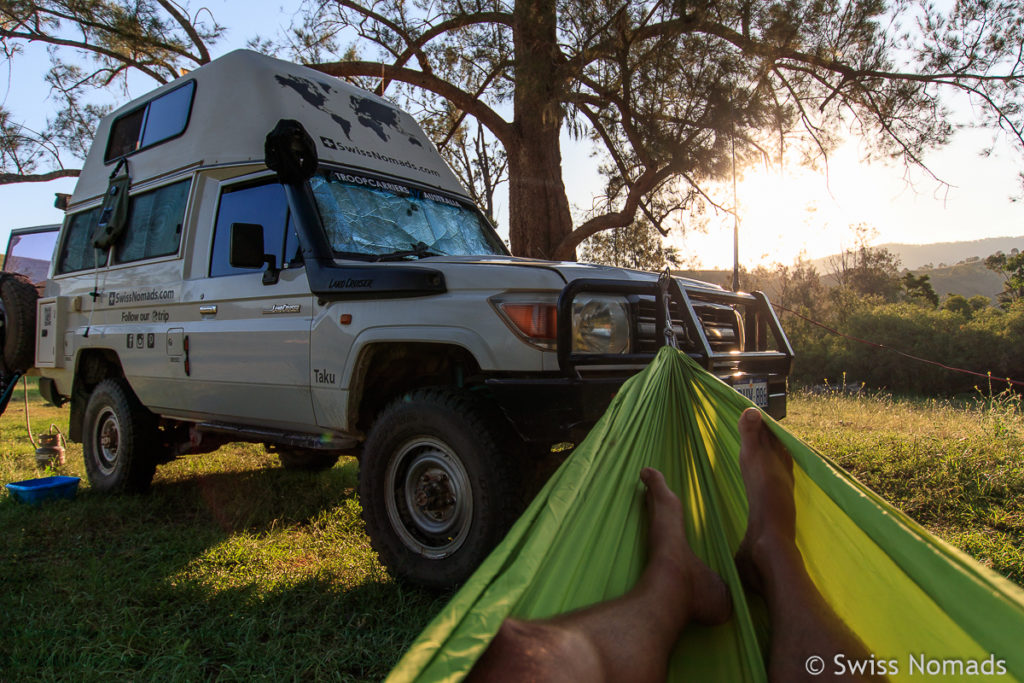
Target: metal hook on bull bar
665,304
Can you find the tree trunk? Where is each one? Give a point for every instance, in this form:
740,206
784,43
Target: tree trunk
539,215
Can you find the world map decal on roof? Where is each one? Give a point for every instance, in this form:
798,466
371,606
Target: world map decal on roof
315,94
378,117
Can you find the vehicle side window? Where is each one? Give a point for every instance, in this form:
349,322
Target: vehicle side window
29,253
124,134
167,115
75,252
154,223
263,204
159,119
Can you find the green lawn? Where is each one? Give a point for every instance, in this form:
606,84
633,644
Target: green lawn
232,568
959,471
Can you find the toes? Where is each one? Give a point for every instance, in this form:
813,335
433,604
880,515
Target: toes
656,486
755,437
750,423
750,428
649,474
664,509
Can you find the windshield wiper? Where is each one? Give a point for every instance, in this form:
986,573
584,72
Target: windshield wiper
419,250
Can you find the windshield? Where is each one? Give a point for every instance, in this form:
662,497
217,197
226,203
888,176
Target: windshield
365,217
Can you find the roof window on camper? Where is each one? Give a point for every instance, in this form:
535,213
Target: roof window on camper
160,119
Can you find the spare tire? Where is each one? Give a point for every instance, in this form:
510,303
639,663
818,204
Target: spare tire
17,323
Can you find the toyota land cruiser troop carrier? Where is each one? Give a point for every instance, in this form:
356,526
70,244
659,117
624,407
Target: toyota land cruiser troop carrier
259,252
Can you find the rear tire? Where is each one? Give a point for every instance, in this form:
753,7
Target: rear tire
435,487
17,323
120,442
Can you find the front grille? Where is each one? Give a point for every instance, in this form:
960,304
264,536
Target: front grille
720,323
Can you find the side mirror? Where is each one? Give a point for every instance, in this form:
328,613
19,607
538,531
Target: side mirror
245,250
246,245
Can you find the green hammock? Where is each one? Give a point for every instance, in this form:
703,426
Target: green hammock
909,596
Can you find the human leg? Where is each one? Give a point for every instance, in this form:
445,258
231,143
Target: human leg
803,624
626,639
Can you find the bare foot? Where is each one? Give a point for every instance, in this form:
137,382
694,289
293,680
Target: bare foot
767,470
673,570
804,625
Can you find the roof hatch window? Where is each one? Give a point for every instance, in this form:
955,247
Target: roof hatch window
158,120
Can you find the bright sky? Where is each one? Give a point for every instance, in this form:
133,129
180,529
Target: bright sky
782,213
789,211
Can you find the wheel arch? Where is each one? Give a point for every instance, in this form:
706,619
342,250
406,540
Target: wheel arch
384,370
92,366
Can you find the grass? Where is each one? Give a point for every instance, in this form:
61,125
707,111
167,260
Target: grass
956,468
231,568
234,569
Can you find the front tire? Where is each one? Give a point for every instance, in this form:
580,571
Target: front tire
119,442
435,488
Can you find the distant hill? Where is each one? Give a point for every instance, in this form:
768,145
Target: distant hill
966,279
954,267
915,256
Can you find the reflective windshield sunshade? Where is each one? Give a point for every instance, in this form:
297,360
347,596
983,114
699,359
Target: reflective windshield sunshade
366,217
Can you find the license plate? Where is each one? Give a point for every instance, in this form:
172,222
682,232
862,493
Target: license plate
754,389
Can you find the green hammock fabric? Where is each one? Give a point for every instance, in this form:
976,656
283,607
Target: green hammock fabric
583,540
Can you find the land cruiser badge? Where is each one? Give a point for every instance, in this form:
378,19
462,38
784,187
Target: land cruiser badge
282,308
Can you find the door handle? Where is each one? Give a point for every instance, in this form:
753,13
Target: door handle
208,309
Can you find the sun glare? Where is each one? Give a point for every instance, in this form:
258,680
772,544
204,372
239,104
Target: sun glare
786,213
781,215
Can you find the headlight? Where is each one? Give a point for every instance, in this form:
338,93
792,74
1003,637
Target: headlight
600,324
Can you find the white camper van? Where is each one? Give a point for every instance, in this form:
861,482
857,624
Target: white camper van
260,252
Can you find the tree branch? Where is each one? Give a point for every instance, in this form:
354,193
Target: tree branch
9,178
625,117
186,25
623,171
52,40
416,47
462,113
776,52
37,34
390,25
648,180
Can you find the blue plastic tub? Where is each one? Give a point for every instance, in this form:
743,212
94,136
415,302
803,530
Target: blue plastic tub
35,491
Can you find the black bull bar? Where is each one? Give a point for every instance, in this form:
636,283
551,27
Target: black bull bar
759,319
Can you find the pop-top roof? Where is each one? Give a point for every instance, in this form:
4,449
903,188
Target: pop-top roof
240,97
